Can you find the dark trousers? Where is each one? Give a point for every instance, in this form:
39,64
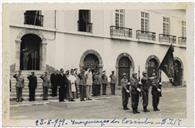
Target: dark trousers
145,98
19,93
125,98
54,90
134,100
104,89
112,86
45,93
155,99
77,91
96,89
81,89
84,92
62,92
31,94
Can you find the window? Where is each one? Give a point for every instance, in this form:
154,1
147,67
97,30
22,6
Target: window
166,25
33,17
144,21
84,22
120,18
183,29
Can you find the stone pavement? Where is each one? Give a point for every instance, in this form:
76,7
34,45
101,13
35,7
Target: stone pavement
172,104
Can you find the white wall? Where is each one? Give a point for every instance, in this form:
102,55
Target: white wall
65,50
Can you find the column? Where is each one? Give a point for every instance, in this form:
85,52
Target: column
43,58
18,44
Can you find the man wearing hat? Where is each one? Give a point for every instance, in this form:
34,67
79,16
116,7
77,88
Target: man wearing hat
145,87
156,92
125,91
135,90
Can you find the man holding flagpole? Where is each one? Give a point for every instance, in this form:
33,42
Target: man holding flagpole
167,66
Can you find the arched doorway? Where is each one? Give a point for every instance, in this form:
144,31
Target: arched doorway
30,52
178,72
91,59
152,64
124,65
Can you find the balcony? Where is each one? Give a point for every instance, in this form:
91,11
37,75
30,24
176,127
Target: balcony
84,26
33,19
120,31
145,35
167,38
182,40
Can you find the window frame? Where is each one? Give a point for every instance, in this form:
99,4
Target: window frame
145,21
120,18
166,25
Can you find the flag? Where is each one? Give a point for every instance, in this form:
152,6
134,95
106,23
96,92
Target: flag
167,64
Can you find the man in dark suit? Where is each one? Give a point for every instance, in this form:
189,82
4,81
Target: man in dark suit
63,82
32,86
54,83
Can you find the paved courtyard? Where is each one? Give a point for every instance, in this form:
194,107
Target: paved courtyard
172,104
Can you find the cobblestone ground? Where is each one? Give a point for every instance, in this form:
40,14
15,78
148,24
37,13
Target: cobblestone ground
172,104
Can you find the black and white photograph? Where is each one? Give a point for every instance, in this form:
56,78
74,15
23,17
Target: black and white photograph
125,64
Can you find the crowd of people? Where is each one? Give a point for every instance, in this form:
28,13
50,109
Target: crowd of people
69,85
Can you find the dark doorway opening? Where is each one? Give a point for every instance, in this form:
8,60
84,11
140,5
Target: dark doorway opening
91,61
152,67
30,52
178,74
124,67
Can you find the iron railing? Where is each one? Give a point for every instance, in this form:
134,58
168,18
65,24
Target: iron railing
182,40
167,38
120,31
145,35
84,26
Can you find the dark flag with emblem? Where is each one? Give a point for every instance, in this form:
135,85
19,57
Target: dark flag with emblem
167,64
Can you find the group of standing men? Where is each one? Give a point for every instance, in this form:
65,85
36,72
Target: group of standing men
136,88
70,84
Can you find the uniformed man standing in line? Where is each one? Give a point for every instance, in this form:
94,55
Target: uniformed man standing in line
104,83
125,91
145,88
32,86
45,84
112,83
156,92
135,91
19,85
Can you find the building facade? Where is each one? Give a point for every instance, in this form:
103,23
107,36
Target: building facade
120,40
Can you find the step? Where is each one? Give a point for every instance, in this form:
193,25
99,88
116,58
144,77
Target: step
37,98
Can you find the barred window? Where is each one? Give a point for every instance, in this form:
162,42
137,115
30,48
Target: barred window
144,21
183,29
166,25
120,18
